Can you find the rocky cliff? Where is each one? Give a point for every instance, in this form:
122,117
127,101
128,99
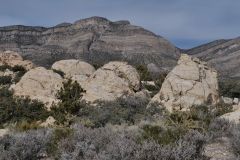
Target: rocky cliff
96,40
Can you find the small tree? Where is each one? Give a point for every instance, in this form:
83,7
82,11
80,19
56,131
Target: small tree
70,100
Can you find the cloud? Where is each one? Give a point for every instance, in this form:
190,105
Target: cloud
185,22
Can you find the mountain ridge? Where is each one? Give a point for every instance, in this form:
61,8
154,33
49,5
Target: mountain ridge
98,40
224,55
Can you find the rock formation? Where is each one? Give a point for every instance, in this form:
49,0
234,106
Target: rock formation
39,83
94,39
12,59
232,116
111,81
74,69
190,83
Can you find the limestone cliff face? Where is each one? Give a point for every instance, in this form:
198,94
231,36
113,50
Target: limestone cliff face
96,40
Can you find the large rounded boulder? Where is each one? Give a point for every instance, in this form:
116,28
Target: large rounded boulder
112,81
74,69
40,84
13,58
190,83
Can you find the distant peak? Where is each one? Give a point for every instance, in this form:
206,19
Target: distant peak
95,19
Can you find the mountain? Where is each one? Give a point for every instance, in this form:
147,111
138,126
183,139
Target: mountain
96,40
224,55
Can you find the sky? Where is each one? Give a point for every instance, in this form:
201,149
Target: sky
186,23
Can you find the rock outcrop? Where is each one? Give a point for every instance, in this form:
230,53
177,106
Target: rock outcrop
232,116
4,132
74,69
94,39
190,83
49,122
13,58
39,83
112,81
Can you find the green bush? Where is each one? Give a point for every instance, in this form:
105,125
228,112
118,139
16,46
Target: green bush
4,67
20,109
230,88
144,73
20,72
163,135
18,68
25,126
129,110
70,101
5,80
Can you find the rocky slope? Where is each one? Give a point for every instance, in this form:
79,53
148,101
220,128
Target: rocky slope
96,40
223,55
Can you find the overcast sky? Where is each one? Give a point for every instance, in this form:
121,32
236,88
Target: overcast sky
186,23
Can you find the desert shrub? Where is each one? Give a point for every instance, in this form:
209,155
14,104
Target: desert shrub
219,127
222,128
25,145
5,80
26,125
198,117
162,135
222,108
4,67
230,88
57,135
235,138
20,70
61,73
128,110
5,92
70,101
144,73
105,144
19,109
84,143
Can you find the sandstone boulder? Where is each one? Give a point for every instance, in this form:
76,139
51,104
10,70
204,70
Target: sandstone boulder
232,116
74,69
39,83
111,81
235,101
49,122
227,100
13,58
3,132
190,83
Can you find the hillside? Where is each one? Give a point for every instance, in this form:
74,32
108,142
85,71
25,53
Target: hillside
224,55
96,40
